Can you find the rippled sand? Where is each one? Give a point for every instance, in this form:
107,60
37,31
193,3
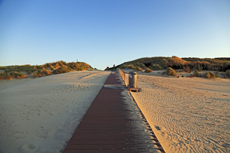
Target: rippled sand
187,114
40,115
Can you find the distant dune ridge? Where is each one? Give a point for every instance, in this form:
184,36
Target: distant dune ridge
24,71
159,63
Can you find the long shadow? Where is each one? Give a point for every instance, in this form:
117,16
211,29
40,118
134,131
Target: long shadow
227,91
221,99
223,85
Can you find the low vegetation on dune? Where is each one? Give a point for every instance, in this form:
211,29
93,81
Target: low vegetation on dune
148,70
228,72
22,71
79,66
170,71
138,68
12,75
42,72
62,69
210,75
196,73
187,64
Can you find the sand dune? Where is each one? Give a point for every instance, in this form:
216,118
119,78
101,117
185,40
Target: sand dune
187,114
40,115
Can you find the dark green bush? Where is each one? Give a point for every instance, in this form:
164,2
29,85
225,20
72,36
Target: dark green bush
156,67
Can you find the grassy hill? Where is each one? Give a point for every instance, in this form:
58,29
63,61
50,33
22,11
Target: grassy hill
23,71
158,63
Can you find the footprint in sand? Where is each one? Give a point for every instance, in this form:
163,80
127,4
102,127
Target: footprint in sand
27,148
157,127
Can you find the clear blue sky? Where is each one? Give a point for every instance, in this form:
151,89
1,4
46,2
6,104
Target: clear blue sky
107,32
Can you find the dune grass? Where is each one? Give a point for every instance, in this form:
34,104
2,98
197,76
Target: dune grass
42,72
62,69
138,68
12,75
15,71
170,71
196,73
215,64
210,75
228,73
148,70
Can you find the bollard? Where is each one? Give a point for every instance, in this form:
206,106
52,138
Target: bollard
133,79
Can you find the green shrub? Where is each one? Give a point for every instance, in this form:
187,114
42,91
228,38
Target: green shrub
196,73
156,67
123,66
148,70
170,71
228,73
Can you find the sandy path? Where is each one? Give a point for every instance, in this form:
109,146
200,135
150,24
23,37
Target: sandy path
40,115
187,114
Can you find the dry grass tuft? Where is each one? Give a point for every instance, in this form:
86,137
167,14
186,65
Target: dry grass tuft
196,73
131,67
187,69
12,75
62,69
170,71
228,73
138,68
210,75
42,72
148,70
207,75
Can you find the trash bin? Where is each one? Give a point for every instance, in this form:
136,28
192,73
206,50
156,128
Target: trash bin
133,79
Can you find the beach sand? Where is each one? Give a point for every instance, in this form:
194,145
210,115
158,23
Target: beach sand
187,114
40,115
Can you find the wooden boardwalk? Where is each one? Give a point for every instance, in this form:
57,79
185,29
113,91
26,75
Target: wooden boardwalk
111,125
